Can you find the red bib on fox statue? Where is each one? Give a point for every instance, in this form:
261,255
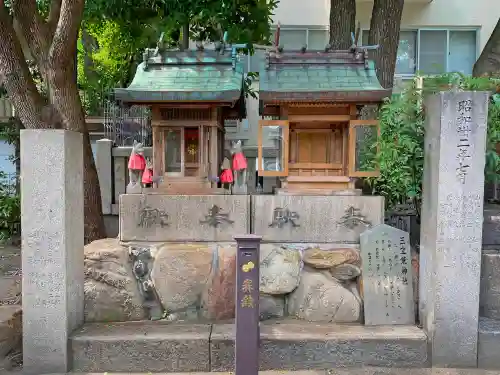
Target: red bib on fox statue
226,177
136,165
239,169
136,162
239,160
147,176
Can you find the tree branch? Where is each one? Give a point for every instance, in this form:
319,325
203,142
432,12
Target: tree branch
55,12
63,47
16,78
32,27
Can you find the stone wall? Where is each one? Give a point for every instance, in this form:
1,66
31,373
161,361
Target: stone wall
196,282
176,257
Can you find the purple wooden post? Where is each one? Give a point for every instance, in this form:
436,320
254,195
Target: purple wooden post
246,347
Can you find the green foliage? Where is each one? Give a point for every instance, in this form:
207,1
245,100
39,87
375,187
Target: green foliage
247,84
400,150
492,167
9,133
10,209
108,54
401,145
116,32
10,202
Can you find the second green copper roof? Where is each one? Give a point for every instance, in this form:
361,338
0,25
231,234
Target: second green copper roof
185,76
319,76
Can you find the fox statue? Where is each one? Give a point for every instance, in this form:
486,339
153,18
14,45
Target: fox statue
136,166
239,169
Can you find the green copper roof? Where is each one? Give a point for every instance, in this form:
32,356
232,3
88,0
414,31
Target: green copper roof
186,76
319,76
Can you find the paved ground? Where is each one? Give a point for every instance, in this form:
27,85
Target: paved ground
10,288
350,371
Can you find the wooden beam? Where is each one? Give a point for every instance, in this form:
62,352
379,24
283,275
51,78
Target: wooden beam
214,148
319,118
184,123
157,152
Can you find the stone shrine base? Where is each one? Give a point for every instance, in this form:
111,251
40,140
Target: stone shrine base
285,345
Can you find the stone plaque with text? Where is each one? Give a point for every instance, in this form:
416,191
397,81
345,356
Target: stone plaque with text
178,218
452,224
387,276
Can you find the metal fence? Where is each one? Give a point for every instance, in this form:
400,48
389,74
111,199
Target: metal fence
123,124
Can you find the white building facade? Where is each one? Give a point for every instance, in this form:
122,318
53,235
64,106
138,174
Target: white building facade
436,36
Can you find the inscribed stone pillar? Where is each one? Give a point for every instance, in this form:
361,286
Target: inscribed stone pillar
451,229
52,246
104,164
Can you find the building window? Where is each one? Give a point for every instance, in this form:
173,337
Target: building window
292,38
434,51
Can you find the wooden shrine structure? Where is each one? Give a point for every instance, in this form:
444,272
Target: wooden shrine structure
191,94
314,141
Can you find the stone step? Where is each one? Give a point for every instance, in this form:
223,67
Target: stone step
488,350
285,345
344,371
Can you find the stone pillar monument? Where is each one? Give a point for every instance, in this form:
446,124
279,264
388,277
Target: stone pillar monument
452,221
104,164
52,246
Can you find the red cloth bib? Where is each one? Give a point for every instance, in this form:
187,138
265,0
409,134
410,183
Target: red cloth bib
226,177
147,176
239,162
136,162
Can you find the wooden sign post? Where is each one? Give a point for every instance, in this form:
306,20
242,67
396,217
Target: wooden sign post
246,351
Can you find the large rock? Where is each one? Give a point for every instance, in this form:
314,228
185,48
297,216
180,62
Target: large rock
320,298
111,292
279,269
219,297
10,328
345,272
271,306
324,259
180,274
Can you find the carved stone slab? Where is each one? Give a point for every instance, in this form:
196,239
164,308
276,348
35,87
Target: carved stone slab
158,217
387,276
315,218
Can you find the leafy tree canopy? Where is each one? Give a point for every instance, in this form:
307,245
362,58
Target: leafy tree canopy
115,33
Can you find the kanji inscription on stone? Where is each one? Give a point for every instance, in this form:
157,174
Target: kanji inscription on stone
387,276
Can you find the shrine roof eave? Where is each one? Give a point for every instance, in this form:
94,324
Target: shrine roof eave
353,96
127,95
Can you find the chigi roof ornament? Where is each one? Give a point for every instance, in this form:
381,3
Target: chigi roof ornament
360,52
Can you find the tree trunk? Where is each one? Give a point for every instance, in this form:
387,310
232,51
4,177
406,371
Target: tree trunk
489,61
185,37
384,31
94,222
66,100
342,23
54,50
